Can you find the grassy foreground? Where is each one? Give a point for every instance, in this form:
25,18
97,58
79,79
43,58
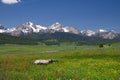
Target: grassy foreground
74,63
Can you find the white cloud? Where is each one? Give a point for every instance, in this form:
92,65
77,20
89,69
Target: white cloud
10,1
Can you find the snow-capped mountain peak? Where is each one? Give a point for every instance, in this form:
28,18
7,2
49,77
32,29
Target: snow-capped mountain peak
88,32
57,23
56,26
61,28
30,27
29,23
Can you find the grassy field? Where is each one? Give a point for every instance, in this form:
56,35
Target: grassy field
74,63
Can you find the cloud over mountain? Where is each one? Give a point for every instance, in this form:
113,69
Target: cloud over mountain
10,1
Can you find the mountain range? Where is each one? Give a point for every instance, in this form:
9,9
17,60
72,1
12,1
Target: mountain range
30,28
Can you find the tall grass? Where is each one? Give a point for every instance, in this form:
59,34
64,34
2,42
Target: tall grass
74,63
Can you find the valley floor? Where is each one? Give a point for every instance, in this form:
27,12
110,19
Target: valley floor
74,62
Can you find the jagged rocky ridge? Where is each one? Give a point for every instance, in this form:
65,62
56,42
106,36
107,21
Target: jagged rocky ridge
31,28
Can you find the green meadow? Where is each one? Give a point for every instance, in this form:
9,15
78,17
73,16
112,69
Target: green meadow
87,62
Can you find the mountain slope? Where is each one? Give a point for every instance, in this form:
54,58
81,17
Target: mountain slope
8,39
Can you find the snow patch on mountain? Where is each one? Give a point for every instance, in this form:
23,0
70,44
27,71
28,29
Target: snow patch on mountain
41,27
102,30
2,31
10,30
65,29
88,32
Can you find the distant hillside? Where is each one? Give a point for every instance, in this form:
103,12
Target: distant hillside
8,39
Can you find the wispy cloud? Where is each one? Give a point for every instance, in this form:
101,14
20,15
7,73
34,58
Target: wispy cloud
10,1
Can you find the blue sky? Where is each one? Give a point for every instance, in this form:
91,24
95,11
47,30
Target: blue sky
82,14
